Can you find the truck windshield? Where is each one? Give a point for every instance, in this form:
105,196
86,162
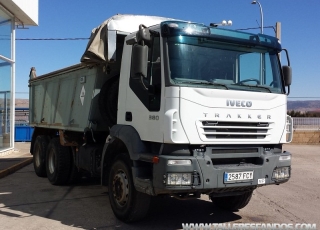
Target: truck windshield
201,62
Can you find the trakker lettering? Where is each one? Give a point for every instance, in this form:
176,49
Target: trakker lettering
243,116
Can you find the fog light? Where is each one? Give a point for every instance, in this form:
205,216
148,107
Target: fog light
179,179
285,158
281,173
179,162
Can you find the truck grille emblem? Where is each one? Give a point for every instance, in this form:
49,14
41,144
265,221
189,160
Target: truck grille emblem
235,103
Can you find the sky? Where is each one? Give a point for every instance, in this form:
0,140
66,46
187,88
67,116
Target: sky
300,32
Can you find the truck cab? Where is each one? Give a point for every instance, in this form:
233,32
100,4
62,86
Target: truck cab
215,96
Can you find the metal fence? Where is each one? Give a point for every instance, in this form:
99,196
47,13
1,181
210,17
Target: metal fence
22,117
306,123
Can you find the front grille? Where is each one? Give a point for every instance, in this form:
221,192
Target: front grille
234,130
232,151
232,162
235,124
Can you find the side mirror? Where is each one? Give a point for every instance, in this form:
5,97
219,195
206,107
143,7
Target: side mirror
287,75
139,61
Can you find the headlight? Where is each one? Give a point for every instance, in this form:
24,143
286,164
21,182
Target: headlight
179,179
281,173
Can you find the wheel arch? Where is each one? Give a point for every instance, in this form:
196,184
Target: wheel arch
131,139
122,139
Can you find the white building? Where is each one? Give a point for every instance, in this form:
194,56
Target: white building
13,14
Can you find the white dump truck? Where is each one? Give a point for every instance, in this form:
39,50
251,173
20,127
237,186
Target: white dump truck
160,106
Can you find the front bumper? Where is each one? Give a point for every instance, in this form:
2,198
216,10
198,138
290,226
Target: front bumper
208,173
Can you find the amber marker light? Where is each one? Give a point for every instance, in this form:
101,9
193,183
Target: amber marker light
155,160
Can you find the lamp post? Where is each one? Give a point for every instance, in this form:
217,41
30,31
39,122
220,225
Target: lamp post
261,13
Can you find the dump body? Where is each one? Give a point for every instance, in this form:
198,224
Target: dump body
67,99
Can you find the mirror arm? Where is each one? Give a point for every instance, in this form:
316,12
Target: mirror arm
131,41
288,90
287,54
141,27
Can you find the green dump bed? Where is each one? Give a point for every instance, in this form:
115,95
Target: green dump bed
67,99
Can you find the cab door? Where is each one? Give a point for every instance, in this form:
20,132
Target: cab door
144,97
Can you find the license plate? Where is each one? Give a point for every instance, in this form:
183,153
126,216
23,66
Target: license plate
238,176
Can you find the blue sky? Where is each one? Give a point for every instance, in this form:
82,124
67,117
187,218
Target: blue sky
300,32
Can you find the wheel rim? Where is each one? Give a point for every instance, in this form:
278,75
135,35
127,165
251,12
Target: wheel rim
51,161
120,187
37,157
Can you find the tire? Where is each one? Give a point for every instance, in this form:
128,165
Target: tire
232,203
108,101
39,155
127,204
75,175
58,162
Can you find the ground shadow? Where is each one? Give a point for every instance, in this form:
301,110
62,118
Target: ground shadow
86,205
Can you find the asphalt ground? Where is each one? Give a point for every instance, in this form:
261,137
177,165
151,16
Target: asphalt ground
17,159
31,202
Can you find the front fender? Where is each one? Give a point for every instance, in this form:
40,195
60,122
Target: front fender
131,138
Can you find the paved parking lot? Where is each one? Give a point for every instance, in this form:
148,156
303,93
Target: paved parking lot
30,202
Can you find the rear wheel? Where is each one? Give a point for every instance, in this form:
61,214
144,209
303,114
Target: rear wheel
232,203
58,162
39,155
127,204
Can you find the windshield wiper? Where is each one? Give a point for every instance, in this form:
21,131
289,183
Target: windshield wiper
202,83
256,86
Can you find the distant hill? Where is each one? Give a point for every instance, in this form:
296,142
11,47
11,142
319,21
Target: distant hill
304,105
22,103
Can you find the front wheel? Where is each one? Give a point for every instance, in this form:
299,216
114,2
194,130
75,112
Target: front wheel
127,204
232,203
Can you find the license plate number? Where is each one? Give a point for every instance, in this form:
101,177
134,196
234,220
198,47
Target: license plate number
238,176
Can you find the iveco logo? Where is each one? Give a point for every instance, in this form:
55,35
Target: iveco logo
235,103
